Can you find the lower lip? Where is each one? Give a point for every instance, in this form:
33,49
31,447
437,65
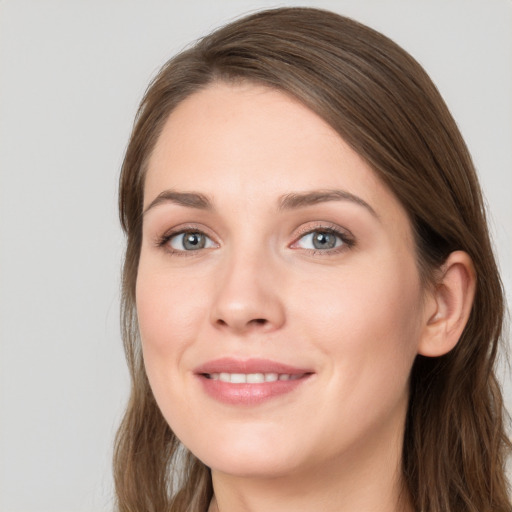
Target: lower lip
249,394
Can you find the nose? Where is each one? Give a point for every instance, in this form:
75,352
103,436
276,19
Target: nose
248,296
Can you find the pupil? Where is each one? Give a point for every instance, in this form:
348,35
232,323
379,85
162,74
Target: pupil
324,240
194,241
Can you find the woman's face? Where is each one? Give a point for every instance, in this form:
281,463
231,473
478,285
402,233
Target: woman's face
278,297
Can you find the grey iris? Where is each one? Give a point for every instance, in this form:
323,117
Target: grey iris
324,240
193,241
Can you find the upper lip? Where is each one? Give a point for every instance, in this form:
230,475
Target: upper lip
233,365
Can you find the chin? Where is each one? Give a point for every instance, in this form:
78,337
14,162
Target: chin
243,467
247,456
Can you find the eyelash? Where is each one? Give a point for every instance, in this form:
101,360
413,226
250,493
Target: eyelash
347,240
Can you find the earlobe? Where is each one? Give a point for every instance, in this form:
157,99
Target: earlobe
450,305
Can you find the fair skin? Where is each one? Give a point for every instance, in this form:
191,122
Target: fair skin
287,248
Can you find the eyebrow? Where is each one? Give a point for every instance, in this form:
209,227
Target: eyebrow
302,199
291,201
188,199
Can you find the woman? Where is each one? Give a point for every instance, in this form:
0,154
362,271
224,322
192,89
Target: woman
311,304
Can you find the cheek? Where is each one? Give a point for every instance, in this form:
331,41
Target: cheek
367,320
367,326
168,314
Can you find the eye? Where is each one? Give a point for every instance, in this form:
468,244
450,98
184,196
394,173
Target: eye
321,239
190,241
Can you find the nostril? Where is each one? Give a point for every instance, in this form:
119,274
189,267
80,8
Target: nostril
242,324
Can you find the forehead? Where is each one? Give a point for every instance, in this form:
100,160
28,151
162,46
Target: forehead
243,128
251,142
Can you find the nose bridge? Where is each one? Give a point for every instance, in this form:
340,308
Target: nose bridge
248,295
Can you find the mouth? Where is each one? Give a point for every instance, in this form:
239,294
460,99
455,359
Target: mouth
249,382
253,378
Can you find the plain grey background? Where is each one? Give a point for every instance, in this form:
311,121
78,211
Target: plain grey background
71,75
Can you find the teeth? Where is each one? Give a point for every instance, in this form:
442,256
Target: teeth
252,378
255,378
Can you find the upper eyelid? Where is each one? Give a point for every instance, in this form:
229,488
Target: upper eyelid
323,226
192,228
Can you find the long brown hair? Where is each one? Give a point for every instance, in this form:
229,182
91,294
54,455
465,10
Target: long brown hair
380,101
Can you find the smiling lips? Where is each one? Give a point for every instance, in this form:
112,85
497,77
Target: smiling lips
249,382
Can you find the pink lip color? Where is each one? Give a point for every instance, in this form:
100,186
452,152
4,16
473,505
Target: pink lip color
248,394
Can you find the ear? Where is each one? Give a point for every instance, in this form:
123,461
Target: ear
448,305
